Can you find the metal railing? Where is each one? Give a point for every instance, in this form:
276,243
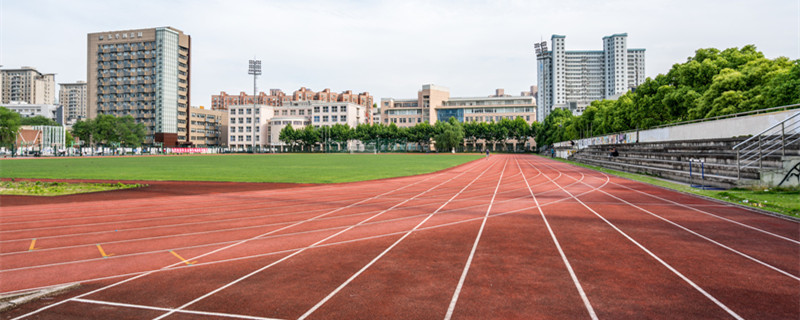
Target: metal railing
767,142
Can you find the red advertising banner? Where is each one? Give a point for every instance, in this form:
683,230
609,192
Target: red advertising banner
188,150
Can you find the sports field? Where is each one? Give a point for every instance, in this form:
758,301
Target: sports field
283,168
511,237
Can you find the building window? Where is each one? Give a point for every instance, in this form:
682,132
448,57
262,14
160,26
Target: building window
325,118
343,118
344,108
334,109
334,118
325,109
316,118
316,109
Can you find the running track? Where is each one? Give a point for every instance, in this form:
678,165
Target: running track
509,237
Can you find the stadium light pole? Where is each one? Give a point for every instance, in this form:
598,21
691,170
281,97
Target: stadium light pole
255,70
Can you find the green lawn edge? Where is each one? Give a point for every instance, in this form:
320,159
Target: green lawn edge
789,208
316,168
54,189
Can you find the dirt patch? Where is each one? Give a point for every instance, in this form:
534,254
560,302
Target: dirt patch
154,189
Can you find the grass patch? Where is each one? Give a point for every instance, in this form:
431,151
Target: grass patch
41,188
779,200
287,168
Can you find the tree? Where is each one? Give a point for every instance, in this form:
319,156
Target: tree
84,130
421,133
288,135
38,121
449,135
69,140
128,132
309,136
9,126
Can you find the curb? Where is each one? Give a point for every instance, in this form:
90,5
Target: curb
11,301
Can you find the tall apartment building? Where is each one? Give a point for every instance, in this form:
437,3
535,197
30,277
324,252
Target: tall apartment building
27,85
144,73
573,79
72,97
277,98
433,103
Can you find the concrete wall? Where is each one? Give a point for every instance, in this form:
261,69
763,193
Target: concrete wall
725,128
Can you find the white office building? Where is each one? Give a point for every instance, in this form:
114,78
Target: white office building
573,79
262,127
26,110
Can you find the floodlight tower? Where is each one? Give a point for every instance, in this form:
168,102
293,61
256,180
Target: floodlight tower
255,70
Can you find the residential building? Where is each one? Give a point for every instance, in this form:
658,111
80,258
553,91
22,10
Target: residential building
277,98
573,79
47,139
208,128
433,103
270,120
72,97
144,73
27,110
27,85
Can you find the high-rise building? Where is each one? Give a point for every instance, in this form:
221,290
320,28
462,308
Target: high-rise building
144,73
277,98
72,97
573,79
27,85
433,103
208,128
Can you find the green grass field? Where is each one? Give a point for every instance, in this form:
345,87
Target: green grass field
289,168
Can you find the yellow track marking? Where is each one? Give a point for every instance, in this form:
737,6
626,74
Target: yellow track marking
182,259
33,245
103,252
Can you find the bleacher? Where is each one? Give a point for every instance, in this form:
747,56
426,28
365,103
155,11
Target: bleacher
713,162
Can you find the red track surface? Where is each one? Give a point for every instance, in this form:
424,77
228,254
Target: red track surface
510,237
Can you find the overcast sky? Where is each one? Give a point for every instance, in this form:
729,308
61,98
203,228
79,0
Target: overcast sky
390,48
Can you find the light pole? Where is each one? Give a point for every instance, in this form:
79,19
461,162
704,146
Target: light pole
255,70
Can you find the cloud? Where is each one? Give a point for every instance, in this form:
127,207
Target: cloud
389,48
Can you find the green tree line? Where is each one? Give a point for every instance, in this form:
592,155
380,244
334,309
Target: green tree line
108,130
710,83
444,136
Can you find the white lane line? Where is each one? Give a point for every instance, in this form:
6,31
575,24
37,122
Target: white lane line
203,313
744,255
453,301
572,274
650,253
227,242
713,215
447,224
215,251
354,276
304,249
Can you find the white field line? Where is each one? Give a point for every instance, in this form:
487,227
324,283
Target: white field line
118,256
155,205
448,224
143,211
92,243
572,274
116,222
457,292
713,215
302,250
705,237
212,252
359,272
202,313
650,253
